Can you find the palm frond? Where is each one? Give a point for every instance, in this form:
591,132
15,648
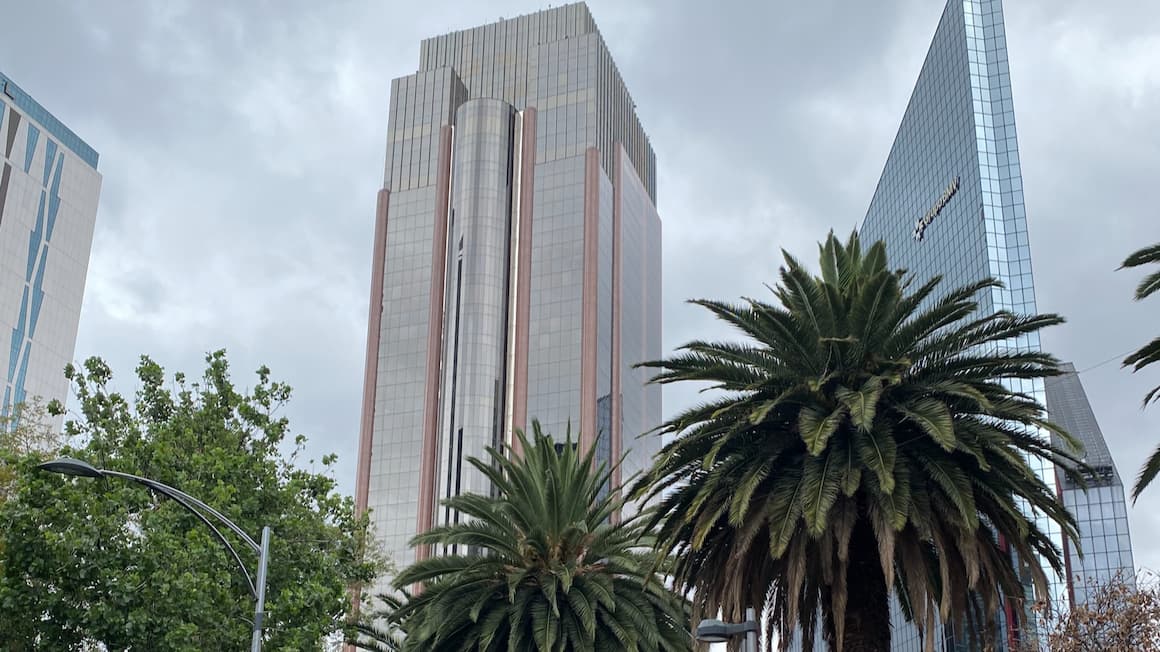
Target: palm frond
1149,254
1148,473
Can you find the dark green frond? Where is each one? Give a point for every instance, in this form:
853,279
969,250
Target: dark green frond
1148,286
1147,355
1149,254
1148,473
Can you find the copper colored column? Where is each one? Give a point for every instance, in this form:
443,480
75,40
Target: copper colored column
588,314
371,365
426,511
370,372
524,275
617,252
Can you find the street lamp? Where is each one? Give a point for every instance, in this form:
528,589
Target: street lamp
77,468
716,631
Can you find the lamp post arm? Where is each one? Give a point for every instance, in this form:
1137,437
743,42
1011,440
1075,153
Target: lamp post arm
73,467
222,539
186,499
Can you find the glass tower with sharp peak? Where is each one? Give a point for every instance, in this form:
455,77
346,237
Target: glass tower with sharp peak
950,202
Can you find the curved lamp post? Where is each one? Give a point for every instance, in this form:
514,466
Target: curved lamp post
716,631
69,466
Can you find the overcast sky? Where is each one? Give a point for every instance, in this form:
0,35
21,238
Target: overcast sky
242,144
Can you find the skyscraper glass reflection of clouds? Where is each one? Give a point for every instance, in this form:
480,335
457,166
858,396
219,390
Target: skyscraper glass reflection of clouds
516,265
1101,510
949,202
950,198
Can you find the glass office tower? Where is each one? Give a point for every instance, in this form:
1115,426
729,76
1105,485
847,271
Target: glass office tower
1101,511
49,187
950,202
950,198
516,266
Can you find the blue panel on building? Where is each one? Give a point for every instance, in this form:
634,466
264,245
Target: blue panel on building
34,110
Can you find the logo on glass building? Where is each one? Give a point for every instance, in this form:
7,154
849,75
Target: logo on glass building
925,220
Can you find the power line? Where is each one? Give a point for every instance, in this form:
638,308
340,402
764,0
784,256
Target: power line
1111,359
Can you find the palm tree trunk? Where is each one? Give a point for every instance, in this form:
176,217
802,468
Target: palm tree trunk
868,610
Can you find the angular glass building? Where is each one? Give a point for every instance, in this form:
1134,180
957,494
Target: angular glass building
950,203
49,187
516,269
1101,511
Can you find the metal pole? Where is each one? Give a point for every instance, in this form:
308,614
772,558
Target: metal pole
751,635
260,606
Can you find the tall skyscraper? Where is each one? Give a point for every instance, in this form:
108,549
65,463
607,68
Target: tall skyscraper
950,202
1101,511
516,265
49,188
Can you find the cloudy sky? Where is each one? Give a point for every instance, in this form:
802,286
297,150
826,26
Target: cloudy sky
242,146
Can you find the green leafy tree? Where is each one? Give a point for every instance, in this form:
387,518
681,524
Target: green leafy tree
106,563
541,565
864,439
25,430
1147,354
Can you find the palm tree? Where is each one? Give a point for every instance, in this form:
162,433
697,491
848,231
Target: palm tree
378,631
544,567
862,442
1147,354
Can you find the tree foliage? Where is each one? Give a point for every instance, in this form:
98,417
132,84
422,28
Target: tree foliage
865,437
105,562
541,565
25,430
1147,354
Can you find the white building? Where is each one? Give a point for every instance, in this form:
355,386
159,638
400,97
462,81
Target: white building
49,186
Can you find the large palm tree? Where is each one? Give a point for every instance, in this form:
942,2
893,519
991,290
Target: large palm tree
866,438
541,565
1147,354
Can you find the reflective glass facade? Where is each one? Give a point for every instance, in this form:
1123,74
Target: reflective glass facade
49,187
1102,513
950,199
950,203
557,294
476,299
516,269
640,335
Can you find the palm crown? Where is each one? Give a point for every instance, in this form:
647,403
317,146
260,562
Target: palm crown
541,565
861,442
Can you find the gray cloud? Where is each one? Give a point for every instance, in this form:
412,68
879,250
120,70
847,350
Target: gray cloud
242,146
